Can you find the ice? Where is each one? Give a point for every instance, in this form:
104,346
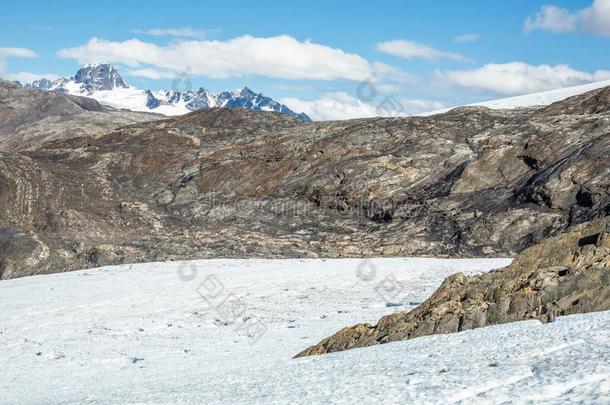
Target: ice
536,99
225,331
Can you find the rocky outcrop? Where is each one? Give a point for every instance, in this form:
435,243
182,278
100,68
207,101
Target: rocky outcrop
565,275
243,183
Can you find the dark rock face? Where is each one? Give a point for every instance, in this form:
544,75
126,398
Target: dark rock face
100,76
245,98
151,101
194,100
564,275
248,99
41,84
242,183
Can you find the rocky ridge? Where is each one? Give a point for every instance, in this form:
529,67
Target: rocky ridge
31,118
243,183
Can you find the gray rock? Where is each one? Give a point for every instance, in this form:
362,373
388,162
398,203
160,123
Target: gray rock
29,118
40,84
151,101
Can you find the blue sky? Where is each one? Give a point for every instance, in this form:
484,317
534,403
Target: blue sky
316,55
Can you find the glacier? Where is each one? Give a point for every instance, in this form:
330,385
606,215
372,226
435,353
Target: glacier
171,333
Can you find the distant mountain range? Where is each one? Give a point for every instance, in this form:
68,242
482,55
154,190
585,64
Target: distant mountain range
103,82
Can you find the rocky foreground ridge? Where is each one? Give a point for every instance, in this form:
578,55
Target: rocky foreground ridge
564,275
242,183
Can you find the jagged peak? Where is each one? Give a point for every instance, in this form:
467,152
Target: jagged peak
246,92
99,76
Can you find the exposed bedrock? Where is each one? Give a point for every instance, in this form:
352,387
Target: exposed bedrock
241,183
564,275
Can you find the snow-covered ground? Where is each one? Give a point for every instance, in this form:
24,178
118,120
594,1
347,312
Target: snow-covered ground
225,331
134,99
535,99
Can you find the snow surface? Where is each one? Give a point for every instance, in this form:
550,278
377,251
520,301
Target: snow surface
162,333
535,99
133,99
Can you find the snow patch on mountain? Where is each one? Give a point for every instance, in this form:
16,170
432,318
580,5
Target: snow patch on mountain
103,82
531,100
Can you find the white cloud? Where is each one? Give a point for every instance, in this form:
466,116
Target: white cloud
14,53
594,19
466,38
552,18
387,74
278,57
520,78
341,106
28,77
174,32
17,53
332,106
292,88
414,106
601,75
151,73
410,50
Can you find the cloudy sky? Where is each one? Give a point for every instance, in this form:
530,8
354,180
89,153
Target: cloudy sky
332,60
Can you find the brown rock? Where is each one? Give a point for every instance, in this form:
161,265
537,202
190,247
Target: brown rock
31,118
564,275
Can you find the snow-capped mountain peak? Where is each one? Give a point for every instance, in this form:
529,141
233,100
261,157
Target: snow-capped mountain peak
103,82
246,92
99,76
42,84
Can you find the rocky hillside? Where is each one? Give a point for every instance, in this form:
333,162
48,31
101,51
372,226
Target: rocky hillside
242,183
564,275
30,118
